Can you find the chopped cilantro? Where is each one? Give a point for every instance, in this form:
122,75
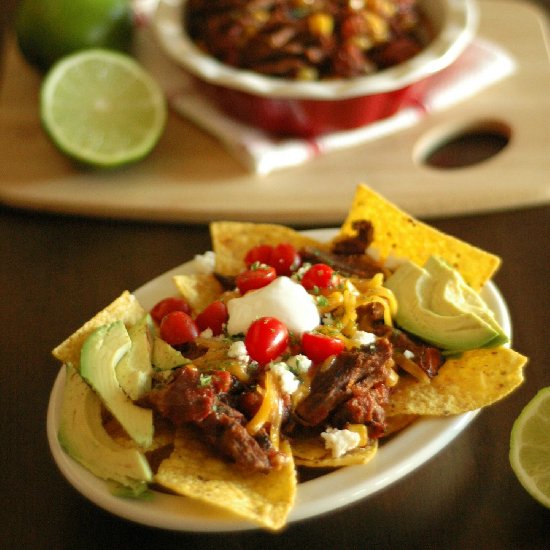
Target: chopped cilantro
322,301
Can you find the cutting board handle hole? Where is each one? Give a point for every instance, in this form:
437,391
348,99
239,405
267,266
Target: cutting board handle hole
463,145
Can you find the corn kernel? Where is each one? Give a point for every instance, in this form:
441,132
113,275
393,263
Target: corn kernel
321,24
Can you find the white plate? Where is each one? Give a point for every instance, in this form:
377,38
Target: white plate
395,459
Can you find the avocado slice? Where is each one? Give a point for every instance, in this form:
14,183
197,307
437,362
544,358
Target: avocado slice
452,327
100,354
83,437
165,357
134,371
451,296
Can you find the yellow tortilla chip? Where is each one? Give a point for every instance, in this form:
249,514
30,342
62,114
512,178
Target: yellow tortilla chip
195,471
311,453
476,379
200,289
232,240
398,235
125,308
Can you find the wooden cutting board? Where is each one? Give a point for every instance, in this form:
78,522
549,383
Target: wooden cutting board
190,177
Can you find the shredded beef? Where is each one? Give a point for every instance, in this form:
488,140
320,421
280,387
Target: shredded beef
357,244
348,256
186,401
428,358
358,265
370,318
225,431
183,400
351,375
366,406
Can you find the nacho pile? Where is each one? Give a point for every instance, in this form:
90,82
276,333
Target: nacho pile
292,364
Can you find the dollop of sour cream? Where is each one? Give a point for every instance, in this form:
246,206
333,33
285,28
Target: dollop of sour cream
283,299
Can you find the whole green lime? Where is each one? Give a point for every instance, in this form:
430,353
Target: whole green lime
47,30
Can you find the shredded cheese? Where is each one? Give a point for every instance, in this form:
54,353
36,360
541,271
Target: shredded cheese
264,413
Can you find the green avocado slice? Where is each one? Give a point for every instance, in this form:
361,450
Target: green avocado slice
165,357
451,295
425,310
83,437
134,371
99,356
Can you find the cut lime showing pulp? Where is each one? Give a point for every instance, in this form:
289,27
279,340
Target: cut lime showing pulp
102,108
530,447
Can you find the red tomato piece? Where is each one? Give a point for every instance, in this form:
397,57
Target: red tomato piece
318,276
266,339
252,279
259,254
178,328
213,317
318,346
285,259
166,306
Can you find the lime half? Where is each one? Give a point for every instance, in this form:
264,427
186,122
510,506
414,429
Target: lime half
530,447
102,108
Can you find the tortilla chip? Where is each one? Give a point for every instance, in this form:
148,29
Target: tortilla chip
398,422
398,235
125,308
311,453
232,240
200,289
476,379
195,471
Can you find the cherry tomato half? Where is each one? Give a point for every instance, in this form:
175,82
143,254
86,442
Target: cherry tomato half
166,306
213,316
318,346
251,279
178,328
285,259
318,276
259,254
266,339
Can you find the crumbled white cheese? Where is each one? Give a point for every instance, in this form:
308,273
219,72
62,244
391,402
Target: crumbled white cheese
299,364
237,350
206,333
287,381
363,338
300,272
340,441
408,354
283,299
204,263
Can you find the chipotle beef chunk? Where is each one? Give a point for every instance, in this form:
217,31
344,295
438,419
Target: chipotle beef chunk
357,244
186,401
355,375
366,406
370,318
348,256
428,358
225,431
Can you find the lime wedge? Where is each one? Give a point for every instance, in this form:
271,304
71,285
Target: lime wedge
530,447
102,108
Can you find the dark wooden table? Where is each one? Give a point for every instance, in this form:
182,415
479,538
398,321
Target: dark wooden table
55,272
